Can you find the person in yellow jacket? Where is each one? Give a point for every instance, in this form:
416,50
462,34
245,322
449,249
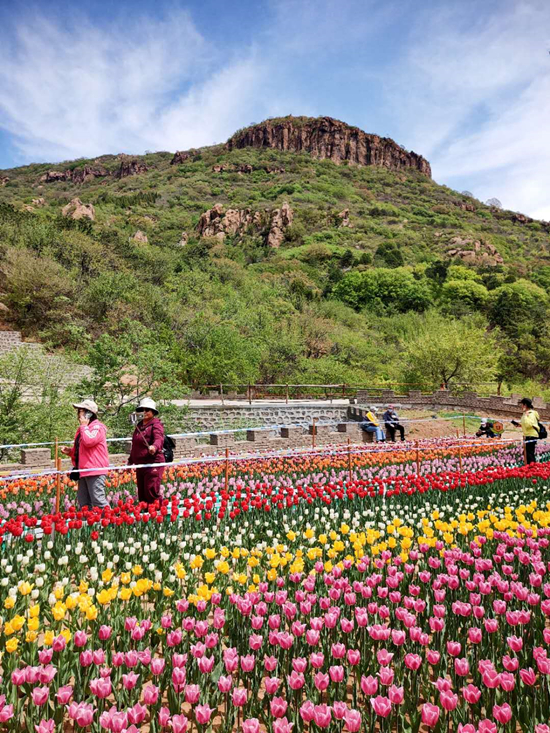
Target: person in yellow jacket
371,425
530,428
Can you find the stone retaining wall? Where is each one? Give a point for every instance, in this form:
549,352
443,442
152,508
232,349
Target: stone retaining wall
467,402
212,417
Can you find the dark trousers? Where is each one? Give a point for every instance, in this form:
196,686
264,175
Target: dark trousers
148,483
530,448
391,428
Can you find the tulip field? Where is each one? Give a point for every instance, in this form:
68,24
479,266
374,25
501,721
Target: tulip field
373,590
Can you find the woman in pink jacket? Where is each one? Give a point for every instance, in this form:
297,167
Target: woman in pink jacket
89,456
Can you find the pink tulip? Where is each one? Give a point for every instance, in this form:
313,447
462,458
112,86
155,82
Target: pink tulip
322,715
433,657
369,685
45,656
466,728
336,673
307,711
502,713
192,694
462,668
386,675
396,695
98,656
102,688
528,676
430,714
46,674
86,658
131,658
321,681
82,713
203,714
413,661
339,709
270,664
179,676
129,681
282,725
225,683
296,680
317,659
64,694
150,694
104,633
381,705
247,662
542,727
353,656
278,707
448,700
40,695
239,696
206,664
157,666
80,638
179,723
59,643
137,713
515,643
45,726
352,721
117,659
251,725
164,717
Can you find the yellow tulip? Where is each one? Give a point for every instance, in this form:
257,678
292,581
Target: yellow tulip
11,645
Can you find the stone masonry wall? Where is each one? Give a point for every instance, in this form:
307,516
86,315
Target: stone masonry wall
467,402
218,417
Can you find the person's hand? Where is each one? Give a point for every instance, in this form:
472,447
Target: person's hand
152,450
83,420
66,450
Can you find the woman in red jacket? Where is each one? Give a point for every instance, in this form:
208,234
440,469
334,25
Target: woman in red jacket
147,444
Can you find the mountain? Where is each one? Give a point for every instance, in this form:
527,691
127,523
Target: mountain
293,252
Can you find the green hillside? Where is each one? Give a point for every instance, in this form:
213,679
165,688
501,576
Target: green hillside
352,296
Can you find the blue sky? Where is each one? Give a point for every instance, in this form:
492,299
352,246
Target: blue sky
466,84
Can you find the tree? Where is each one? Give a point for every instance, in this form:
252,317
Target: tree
383,289
468,194
494,203
518,308
463,296
447,351
390,254
34,403
124,369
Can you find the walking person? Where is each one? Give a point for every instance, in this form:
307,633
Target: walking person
147,445
89,455
391,421
371,425
530,427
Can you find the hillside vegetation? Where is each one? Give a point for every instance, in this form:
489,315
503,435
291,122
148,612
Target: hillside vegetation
415,282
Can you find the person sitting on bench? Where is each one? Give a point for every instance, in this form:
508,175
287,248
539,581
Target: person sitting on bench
371,425
391,421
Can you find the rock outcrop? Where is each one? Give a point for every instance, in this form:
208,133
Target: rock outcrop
4,180
281,219
140,237
217,222
39,202
75,175
474,251
181,156
245,168
130,167
184,239
324,137
75,209
343,219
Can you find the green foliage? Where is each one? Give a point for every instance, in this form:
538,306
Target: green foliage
313,310
464,296
448,352
390,291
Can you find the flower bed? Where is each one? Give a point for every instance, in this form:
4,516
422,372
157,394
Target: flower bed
387,603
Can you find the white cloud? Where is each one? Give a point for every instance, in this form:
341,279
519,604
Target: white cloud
478,96
77,90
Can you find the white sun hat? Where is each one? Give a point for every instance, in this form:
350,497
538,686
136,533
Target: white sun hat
89,405
147,404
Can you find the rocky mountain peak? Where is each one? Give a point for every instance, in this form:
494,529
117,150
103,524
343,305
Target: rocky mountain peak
325,137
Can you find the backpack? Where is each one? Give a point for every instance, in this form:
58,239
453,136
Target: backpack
543,433
168,449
